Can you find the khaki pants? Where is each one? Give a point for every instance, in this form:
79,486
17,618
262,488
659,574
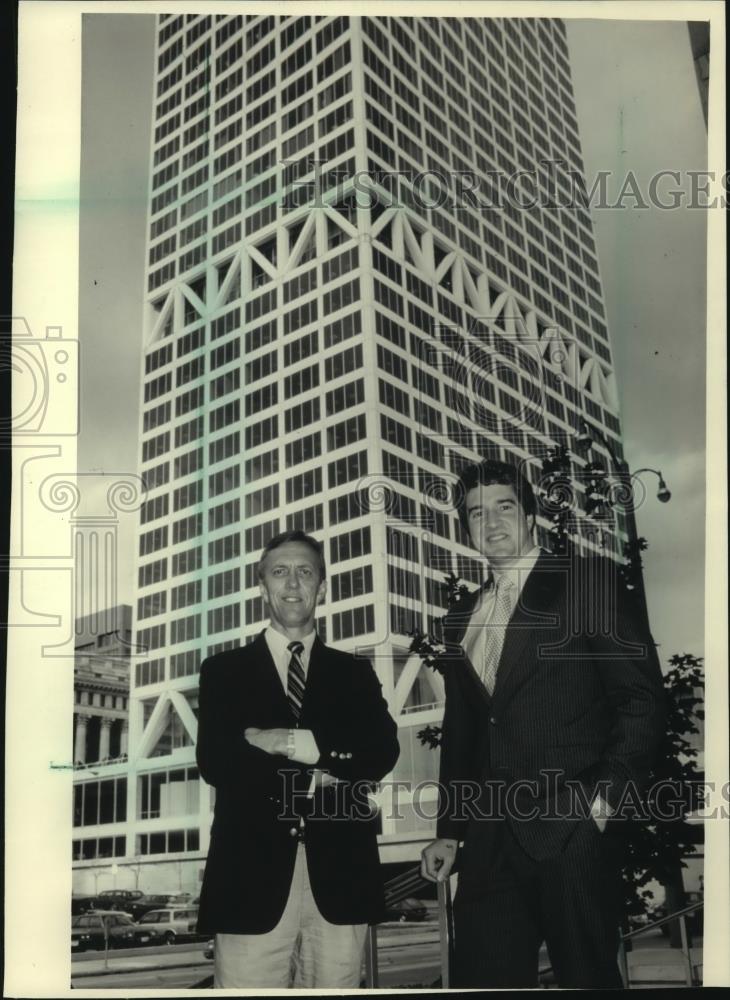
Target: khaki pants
303,951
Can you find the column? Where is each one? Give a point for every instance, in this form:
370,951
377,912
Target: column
80,742
124,739
104,738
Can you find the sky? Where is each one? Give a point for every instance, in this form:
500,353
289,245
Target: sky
638,109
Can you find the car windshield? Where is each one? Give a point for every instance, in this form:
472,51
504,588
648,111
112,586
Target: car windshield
155,917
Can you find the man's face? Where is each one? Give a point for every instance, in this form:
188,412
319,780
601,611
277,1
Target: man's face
291,586
498,526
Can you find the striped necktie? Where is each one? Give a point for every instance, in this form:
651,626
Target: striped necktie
295,678
495,630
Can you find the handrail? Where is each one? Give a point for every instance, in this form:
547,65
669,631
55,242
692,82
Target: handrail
629,935
662,920
404,885
681,916
397,889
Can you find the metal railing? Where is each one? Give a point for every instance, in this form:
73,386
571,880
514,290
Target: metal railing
681,915
428,706
89,765
396,890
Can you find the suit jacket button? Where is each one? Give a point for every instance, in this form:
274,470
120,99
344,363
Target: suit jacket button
333,753
293,831
349,756
492,720
343,756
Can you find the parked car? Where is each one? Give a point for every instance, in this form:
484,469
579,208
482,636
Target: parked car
117,899
209,950
88,930
169,925
637,920
157,901
406,910
81,902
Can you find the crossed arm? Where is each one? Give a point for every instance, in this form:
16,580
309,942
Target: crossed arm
368,750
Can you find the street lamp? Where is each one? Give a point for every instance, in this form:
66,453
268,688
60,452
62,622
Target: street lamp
585,440
663,494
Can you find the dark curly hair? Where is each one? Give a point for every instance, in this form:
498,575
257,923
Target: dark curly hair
493,473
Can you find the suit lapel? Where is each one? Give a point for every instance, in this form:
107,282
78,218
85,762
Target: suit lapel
316,675
458,617
455,625
270,685
532,614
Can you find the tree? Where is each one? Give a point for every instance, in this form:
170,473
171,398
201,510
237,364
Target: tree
657,849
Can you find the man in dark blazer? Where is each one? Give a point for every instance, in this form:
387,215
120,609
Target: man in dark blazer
291,733
554,708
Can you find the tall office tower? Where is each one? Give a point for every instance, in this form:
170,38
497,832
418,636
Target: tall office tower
336,322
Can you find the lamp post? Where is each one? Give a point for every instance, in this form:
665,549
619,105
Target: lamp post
624,476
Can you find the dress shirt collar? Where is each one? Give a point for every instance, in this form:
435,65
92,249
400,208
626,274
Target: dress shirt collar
484,601
518,571
278,643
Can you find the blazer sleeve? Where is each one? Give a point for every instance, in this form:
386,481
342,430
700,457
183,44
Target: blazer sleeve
366,747
224,757
625,656
458,755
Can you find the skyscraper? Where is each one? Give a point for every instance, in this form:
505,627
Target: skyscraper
359,278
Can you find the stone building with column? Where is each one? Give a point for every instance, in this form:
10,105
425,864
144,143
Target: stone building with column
101,709
101,686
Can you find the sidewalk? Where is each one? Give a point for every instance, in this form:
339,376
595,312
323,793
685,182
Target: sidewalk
137,960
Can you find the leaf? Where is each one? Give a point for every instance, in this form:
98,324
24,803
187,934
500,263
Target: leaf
430,736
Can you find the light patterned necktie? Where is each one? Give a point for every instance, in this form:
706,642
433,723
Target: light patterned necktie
496,627
295,678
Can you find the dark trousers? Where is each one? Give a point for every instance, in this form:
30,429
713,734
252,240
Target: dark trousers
572,902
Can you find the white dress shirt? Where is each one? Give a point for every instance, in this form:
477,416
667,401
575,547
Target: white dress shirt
517,572
279,648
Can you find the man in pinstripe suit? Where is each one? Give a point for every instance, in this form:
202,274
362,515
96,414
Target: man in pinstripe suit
554,708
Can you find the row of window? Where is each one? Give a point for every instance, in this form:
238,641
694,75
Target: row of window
494,411
99,802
